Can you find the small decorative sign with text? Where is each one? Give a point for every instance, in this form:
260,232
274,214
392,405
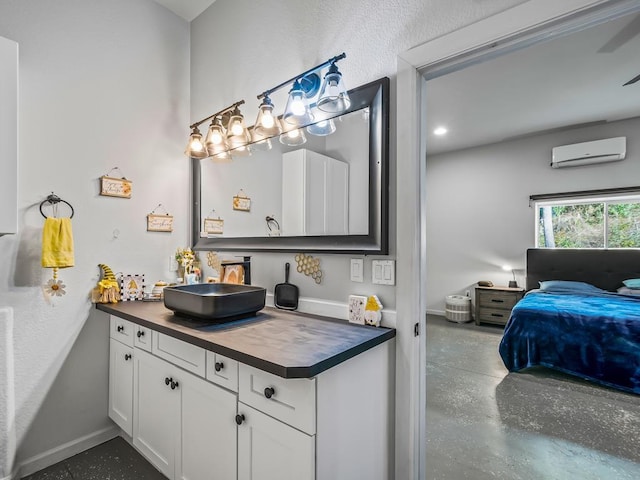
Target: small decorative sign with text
115,187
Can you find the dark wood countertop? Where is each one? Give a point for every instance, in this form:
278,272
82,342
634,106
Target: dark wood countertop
287,344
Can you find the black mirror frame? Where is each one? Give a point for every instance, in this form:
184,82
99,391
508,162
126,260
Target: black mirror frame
374,95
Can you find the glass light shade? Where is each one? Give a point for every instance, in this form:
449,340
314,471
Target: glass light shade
195,147
333,96
293,137
241,151
236,128
215,141
322,128
297,111
267,124
222,157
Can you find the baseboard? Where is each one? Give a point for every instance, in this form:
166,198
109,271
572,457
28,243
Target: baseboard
436,312
64,451
329,308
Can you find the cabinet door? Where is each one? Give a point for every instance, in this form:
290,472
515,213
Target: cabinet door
208,450
156,425
121,385
270,450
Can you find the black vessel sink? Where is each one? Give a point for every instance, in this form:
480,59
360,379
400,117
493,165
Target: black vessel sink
215,301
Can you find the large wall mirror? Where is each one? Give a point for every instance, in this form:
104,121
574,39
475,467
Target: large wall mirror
328,194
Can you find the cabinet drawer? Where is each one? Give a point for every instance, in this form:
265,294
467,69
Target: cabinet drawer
222,371
121,330
494,315
142,338
292,400
499,300
179,353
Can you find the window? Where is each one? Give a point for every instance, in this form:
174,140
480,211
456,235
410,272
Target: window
604,222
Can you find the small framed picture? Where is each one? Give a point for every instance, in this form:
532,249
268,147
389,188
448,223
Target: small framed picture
159,223
131,287
115,187
241,202
213,225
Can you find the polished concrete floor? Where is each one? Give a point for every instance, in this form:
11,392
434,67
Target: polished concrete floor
486,423
482,423
113,460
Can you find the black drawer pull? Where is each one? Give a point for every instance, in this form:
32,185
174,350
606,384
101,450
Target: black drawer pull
140,333
120,328
239,418
127,356
497,300
497,315
218,366
269,392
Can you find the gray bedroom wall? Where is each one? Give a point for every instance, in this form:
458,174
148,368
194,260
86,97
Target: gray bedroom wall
478,214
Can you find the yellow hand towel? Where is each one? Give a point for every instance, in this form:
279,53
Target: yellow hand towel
57,243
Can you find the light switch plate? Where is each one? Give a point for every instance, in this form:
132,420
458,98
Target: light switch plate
383,272
357,270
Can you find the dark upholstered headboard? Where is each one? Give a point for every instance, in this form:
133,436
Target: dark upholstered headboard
605,269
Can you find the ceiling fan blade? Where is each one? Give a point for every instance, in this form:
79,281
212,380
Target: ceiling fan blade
626,34
632,81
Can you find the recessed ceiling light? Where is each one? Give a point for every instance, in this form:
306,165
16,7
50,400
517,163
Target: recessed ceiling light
440,131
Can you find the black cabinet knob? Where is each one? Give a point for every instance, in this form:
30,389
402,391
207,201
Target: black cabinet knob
140,333
120,328
219,366
168,380
239,418
269,392
127,356
174,385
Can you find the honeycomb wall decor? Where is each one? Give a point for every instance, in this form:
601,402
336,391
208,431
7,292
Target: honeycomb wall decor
309,266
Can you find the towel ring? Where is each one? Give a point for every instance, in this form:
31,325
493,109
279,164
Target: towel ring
53,199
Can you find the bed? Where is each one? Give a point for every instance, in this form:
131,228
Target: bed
588,331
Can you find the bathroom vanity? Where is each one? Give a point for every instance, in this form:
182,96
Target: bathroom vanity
279,395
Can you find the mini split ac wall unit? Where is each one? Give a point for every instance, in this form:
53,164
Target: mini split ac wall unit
588,153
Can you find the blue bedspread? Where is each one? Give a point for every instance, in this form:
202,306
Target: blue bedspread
593,336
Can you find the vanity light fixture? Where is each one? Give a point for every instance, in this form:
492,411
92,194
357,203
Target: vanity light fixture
214,143
267,124
305,86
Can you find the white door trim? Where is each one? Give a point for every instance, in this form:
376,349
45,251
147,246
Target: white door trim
410,461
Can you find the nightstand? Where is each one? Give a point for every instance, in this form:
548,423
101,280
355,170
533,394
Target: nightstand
494,304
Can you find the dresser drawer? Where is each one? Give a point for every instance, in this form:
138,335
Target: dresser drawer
222,371
292,400
142,338
500,300
179,353
121,330
493,315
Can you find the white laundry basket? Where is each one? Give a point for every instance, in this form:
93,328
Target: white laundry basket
458,308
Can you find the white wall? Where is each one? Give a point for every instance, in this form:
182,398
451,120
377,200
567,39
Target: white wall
102,84
242,47
478,203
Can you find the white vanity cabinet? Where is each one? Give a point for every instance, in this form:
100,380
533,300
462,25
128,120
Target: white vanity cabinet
121,373
315,194
8,136
199,415
183,424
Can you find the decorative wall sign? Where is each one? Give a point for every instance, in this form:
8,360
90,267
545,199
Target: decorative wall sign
159,223
213,225
356,308
242,202
131,287
115,187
